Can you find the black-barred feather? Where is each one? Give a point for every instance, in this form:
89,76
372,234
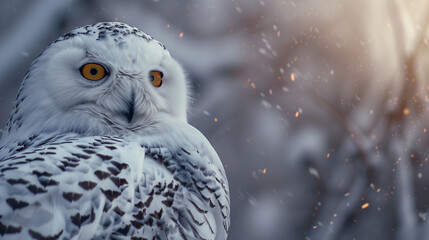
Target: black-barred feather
164,194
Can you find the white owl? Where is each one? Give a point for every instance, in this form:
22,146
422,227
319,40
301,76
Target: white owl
98,146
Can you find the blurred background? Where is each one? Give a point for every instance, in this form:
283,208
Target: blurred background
317,108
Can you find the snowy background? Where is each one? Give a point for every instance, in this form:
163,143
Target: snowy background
317,108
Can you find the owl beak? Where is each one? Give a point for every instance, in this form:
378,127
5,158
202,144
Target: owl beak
131,108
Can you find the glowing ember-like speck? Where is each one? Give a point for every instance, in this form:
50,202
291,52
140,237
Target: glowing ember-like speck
292,77
365,205
181,34
297,114
346,194
406,111
215,119
264,171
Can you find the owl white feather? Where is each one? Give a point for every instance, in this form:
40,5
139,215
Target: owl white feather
98,146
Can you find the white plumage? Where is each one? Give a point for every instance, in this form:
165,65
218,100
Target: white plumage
98,146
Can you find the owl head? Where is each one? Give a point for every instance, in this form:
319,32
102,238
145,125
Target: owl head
100,79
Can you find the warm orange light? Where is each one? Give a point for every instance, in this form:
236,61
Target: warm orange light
406,111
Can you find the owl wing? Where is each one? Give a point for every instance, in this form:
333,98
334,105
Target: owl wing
165,186
194,193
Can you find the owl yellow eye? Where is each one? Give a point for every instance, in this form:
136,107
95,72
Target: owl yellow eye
156,78
93,71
